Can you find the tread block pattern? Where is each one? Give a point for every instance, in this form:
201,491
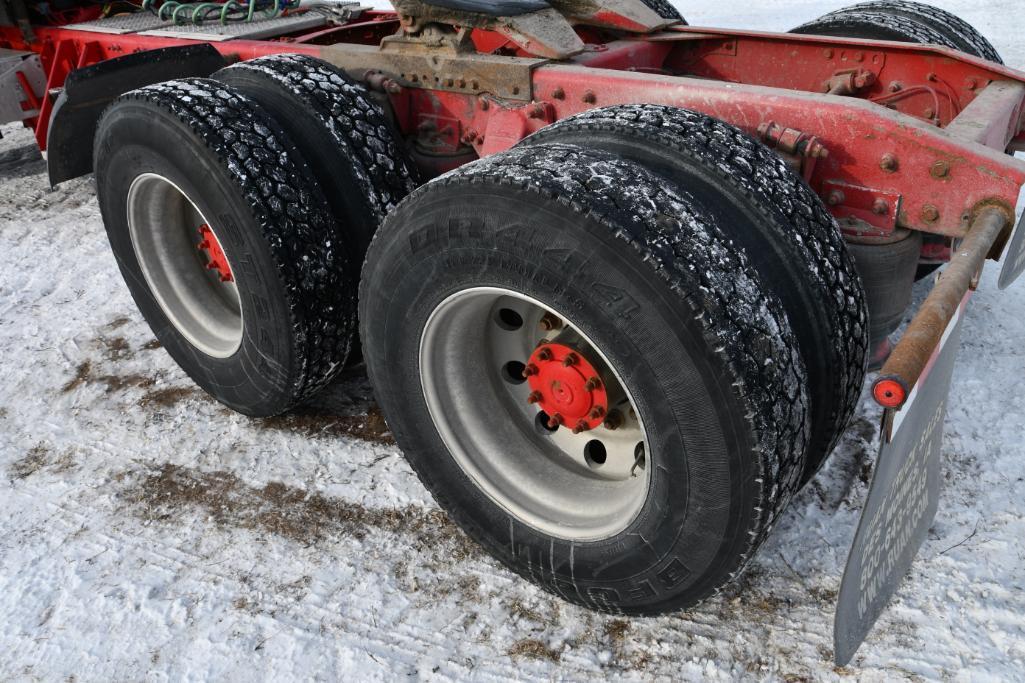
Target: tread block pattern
357,124
916,22
289,209
815,240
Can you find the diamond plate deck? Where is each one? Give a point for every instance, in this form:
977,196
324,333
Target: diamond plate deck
148,24
260,28
122,24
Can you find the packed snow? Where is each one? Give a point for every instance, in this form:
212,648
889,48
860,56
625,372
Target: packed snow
148,533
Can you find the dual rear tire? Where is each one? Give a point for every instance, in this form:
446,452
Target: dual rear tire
239,209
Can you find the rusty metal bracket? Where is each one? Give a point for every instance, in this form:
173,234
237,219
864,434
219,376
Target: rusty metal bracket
439,68
910,357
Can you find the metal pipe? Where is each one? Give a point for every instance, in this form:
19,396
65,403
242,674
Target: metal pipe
904,368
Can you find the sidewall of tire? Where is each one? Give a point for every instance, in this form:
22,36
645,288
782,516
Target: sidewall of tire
693,530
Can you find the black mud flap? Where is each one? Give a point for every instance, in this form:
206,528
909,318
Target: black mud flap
88,91
902,500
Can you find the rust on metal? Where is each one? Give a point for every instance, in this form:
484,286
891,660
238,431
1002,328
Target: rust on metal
912,353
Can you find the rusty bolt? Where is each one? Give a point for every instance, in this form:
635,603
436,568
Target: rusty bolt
880,207
570,359
889,163
537,111
592,384
941,169
896,86
929,112
555,420
559,93
596,413
535,397
972,83
530,370
580,427
545,354
859,56
828,52
471,136
930,214
589,97
550,322
836,197
614,420
932,77
484,104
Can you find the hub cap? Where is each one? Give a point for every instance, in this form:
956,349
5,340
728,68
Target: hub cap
534,414
185,266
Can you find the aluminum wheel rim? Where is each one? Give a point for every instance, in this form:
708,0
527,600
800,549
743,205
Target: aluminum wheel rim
546,479
164,225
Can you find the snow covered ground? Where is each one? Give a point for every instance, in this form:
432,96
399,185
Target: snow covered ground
147,533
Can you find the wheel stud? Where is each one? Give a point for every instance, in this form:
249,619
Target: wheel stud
549,322
555,420
614,420
545,354
581,427
535,397
592,384
530,370
596,413
571,359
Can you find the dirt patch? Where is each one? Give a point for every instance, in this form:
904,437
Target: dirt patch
532,648
118,322
36,459
152,345
169,397
84,374
313,422
116,348
289,512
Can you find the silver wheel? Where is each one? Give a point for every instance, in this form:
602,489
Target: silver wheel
534,413
184,265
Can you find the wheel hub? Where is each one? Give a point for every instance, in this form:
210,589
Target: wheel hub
216,260
566,386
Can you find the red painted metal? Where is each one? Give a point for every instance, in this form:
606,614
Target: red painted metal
884,137
216,260
566,386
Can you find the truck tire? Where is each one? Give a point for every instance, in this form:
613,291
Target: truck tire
666,10
260,314
353,152
477,291
763,206
905,22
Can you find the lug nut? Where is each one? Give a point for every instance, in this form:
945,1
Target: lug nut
596,413
614,420
880,207
530,370
555,420
581,427
535,397
545,354
592,384
549,322
571,359
941,169
930,213
889,163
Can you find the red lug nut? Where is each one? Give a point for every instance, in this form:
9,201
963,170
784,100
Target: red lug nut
535,397
555,420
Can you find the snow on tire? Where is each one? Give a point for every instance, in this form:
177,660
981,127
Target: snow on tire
550,247
222,243
903,21
345,136
761,205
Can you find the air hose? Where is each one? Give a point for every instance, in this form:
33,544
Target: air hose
232,11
